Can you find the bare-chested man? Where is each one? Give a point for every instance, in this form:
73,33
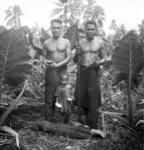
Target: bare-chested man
58,54
87,90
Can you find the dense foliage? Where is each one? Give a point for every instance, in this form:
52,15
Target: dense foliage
15,58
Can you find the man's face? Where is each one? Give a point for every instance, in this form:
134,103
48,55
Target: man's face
90,31
56,29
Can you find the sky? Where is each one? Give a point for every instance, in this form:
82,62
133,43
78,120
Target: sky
127,12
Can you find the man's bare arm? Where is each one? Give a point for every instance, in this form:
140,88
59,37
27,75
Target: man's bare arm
44,53
102,52
103,55
44,49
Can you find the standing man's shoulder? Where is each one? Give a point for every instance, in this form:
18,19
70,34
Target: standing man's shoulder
99,40
102,47
66,41
46,42
83,41
82,44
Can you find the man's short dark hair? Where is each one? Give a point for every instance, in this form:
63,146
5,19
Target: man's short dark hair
91,22
56,20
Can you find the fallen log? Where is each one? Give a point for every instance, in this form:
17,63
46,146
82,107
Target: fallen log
64,129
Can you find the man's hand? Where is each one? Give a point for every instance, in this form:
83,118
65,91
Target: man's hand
47,62
53,65
103,61
50,63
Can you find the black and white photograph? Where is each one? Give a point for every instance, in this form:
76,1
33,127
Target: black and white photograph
72,75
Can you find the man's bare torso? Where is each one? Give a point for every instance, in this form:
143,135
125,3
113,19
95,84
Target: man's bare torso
90,51
56,49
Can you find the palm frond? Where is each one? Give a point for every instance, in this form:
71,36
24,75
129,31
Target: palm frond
56,12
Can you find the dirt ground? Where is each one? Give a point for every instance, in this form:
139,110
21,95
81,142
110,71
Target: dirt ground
23,118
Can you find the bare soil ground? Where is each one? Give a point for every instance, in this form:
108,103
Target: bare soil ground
23,118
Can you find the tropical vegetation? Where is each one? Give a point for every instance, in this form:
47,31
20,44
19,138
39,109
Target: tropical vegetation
22,82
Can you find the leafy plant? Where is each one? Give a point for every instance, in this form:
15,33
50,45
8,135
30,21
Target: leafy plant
15,59
127,62
15,62
72,35
37,41
44,35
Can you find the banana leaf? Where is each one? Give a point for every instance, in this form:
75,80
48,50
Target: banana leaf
72,35
15,59
127,58
44,35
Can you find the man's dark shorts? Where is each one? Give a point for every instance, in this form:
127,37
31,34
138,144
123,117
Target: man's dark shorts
52,80
88,93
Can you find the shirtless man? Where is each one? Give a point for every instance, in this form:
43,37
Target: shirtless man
87,90
58,54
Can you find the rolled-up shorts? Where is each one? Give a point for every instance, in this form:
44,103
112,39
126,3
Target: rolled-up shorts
87,90
53,78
